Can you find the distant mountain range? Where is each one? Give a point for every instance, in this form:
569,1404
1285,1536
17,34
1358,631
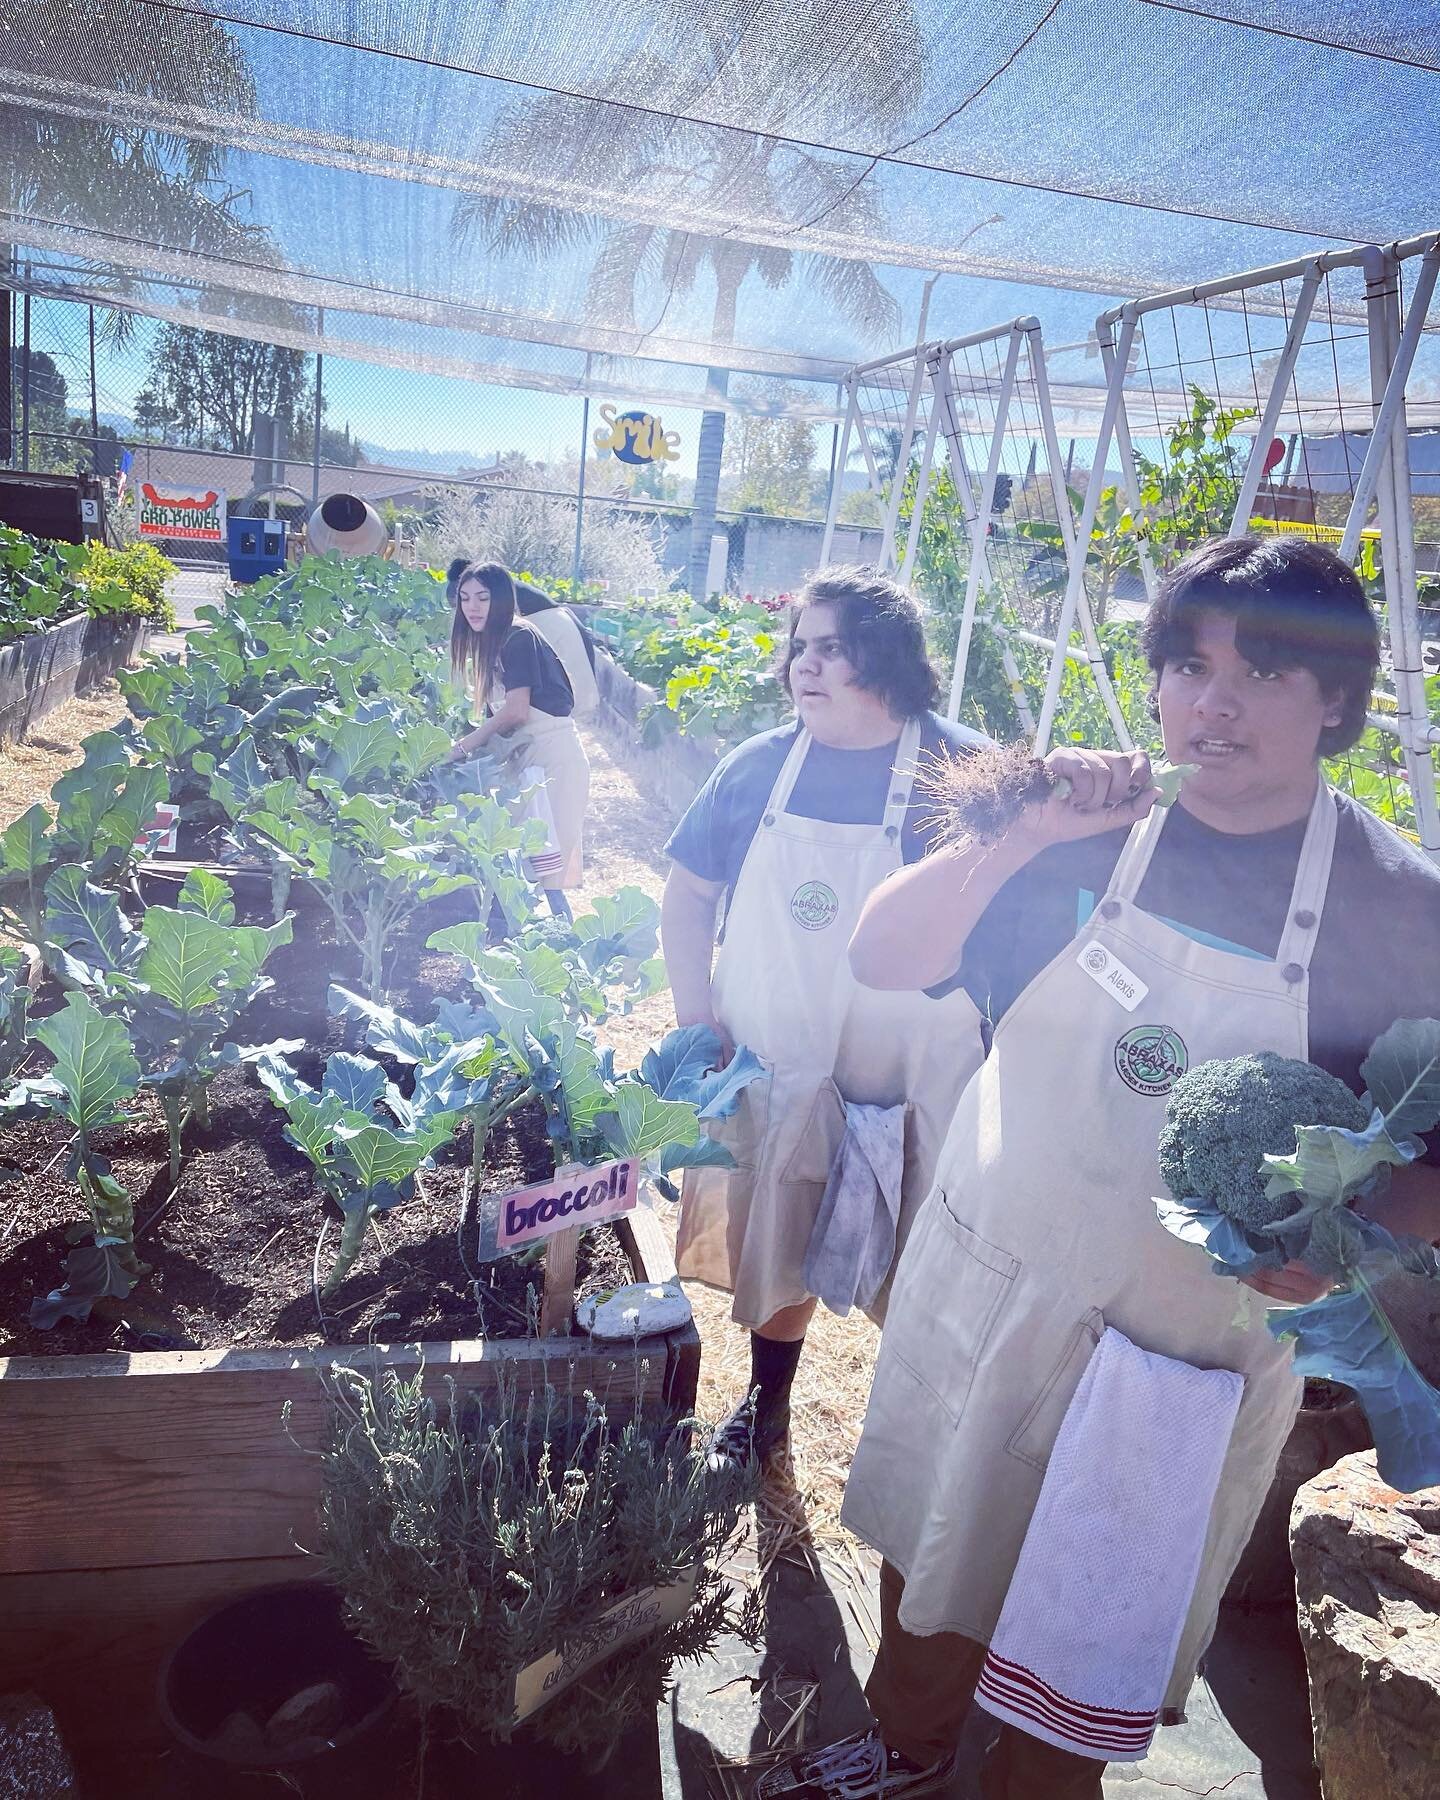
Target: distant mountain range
438,462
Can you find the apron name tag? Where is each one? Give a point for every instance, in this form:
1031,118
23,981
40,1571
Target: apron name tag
1106,970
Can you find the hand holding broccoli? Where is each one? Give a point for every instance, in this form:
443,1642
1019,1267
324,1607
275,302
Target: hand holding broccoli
1270,1162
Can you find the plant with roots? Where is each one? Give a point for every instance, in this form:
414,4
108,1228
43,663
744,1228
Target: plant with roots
95,1070
179,982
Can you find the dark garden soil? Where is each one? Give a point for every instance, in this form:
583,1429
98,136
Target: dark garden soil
236,1247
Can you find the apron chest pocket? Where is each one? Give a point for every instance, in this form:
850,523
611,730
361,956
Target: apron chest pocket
1034,1437
949,1293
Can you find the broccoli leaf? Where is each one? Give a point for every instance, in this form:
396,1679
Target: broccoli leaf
355,1081
94,1064
1201,1223
682,1066
387,1031
1332,1163
1402,1072
1345,1337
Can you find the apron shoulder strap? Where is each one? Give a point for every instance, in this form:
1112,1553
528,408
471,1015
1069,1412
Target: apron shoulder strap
1307,896
902,779
788,776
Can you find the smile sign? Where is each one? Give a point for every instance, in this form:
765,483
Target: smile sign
572,1196
636,437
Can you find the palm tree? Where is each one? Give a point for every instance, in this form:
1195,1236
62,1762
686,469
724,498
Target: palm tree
80,159
705,171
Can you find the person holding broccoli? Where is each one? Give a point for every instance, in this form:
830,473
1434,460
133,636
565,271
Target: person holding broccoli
1116,944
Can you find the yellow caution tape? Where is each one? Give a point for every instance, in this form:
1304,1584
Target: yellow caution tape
1318,534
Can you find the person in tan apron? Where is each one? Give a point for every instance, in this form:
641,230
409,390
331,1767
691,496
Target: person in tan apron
856,670
517,676
1040,1231
567,637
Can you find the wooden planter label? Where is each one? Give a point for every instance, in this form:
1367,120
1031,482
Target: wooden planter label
635,1615
572,1196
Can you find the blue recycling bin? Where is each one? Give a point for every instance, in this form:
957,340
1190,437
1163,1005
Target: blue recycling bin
257,547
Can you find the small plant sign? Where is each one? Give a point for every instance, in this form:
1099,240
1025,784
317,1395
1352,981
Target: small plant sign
573,1196
634,1616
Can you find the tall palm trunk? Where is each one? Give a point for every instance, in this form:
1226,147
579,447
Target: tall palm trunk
711,449
708,458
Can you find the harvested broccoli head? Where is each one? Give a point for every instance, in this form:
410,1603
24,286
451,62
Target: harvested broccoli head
1224,1116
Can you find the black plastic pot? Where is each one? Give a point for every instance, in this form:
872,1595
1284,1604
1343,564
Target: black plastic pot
254,1654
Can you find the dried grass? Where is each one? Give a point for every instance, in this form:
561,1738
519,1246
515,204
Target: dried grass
31,765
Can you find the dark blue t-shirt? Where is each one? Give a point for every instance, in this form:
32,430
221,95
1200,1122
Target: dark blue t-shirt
1377,953
842,787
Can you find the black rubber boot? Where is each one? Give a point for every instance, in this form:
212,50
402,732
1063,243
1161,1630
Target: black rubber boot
761,1422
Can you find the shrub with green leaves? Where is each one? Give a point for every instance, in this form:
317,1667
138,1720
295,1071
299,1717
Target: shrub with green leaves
135,579
472,1536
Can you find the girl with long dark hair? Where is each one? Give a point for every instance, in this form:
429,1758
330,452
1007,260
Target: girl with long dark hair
520,684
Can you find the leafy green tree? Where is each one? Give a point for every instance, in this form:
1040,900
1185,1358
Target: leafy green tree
770,457
212,386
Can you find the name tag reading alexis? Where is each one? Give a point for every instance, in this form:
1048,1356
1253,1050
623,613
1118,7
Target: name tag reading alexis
1106,970
572,1196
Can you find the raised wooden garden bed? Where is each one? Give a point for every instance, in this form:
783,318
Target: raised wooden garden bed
674,769
142,1488
39,671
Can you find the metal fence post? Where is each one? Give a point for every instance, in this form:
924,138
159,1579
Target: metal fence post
580,490
319,409
7,366
25,382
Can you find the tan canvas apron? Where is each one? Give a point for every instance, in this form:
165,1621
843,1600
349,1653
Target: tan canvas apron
1040,1231
783,986
554,744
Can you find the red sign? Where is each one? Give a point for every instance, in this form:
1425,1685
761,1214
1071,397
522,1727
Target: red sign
166,512
160,836
572,1196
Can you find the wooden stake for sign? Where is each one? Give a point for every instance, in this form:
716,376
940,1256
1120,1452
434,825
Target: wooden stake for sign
557,1302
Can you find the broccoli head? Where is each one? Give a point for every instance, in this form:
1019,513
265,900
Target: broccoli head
1224,1116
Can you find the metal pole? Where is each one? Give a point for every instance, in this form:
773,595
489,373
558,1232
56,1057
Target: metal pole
94,412
25,382
1117,357
580,491
1094,651
319,408
7,364
902,465
980,524
1397,547
1270,417
837,480
906,565
1392,406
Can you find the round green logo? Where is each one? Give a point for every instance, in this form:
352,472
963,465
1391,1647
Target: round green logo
814,905
1151,1058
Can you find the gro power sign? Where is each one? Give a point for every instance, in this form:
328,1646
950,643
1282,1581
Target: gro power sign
171,512
571,1196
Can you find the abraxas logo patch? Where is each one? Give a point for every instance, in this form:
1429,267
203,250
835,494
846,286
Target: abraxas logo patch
1151,1058
814,905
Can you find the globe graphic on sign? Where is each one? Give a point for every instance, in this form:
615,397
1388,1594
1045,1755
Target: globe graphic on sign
627,452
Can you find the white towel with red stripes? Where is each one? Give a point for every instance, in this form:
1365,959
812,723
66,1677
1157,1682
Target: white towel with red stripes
1088,1633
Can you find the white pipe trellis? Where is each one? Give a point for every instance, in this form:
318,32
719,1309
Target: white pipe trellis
935,387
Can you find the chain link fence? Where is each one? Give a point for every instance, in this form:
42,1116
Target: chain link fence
453,466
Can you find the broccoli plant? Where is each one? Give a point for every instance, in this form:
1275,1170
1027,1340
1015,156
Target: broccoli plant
365,1162
602,962
179,982
94,1071
14,1003
1271,1161
460,1068
371,861
104,818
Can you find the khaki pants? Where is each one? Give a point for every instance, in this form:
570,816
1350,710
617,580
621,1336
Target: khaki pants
920,1693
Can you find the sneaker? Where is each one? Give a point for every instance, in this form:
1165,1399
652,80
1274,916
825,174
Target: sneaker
863,1767
749,1434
